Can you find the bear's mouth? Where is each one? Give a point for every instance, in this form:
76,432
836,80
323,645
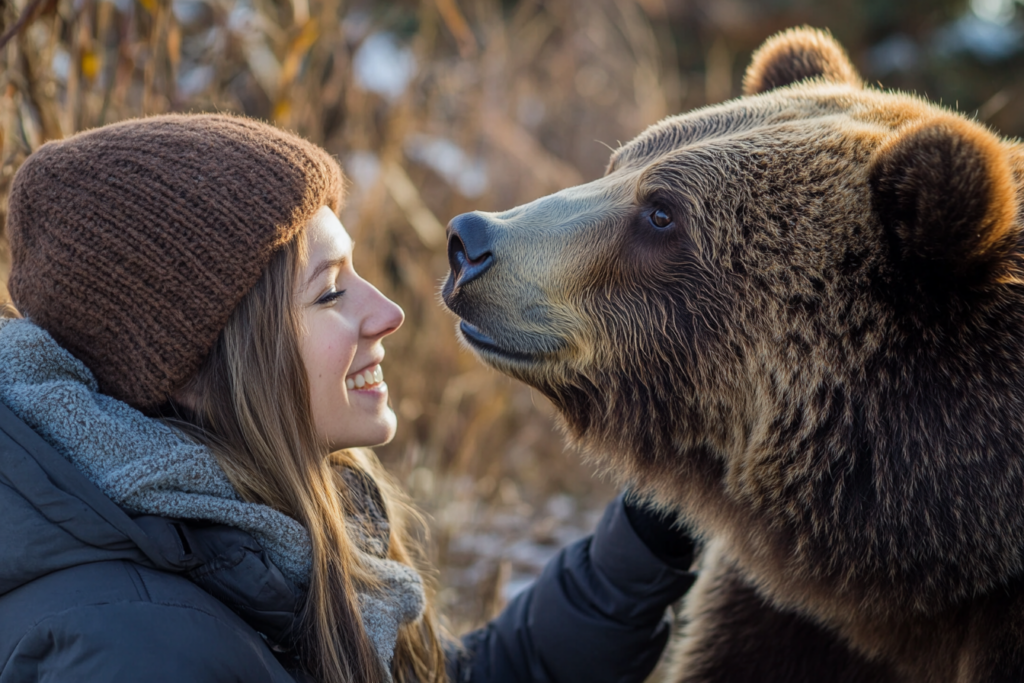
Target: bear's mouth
484,344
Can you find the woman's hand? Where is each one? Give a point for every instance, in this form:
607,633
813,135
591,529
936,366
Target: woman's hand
661,531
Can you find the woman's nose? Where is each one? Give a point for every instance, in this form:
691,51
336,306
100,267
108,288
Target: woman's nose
383,317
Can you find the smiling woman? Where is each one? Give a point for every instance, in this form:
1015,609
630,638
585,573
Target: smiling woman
181,416
344,318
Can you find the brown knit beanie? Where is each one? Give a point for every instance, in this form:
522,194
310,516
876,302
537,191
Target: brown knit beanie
131,244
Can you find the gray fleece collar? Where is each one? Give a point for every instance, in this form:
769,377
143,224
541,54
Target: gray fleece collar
148,467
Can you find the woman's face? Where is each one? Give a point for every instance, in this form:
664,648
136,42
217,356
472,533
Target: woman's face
344,319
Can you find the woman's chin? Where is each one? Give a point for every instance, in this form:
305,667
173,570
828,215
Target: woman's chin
364,431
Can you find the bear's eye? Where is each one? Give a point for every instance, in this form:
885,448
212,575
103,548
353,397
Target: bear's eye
660,218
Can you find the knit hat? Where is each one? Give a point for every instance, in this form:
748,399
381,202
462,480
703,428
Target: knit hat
131,244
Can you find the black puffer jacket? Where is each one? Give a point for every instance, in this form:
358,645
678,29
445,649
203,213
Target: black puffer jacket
88,593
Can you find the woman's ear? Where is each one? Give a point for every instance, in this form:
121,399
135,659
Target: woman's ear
795,55
945,194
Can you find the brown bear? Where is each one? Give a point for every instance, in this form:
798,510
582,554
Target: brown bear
796,319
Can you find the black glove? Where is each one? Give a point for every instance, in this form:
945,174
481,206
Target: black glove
660,531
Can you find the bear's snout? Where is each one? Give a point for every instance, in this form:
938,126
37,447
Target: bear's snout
469,248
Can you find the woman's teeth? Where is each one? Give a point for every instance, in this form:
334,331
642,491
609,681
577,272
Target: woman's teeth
365,379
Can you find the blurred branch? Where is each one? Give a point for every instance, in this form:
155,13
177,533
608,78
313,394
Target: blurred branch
41,92
995,104
517,142
422,219
459,27
26,16
718,72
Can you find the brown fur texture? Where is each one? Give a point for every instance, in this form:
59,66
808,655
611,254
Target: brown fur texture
735,635
796,320
796,55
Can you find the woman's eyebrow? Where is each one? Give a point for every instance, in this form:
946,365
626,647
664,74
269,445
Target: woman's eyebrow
322,266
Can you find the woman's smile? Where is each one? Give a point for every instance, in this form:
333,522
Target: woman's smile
371,378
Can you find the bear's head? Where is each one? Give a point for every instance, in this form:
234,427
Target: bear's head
797,315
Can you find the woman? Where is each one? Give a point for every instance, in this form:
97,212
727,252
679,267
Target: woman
182,409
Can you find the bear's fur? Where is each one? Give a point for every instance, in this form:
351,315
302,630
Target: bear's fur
796,319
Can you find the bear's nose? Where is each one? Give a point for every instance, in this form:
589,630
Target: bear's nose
469,247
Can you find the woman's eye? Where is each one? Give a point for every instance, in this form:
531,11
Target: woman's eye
660,218
330,297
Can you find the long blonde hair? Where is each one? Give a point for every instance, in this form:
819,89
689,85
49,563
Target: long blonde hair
249,403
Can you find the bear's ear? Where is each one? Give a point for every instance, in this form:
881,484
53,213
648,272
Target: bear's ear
797,54
945,193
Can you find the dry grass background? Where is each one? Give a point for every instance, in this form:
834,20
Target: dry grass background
496,104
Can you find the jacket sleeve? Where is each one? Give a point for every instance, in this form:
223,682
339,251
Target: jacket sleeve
597,613
126,642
